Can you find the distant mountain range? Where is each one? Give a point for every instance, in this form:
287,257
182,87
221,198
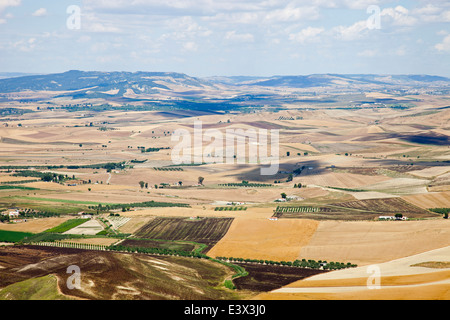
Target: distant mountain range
147,82
140,82
179,88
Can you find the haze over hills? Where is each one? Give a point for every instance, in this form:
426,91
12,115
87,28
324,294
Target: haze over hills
147,82
180,91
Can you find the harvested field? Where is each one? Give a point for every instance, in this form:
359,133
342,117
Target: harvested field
90,227
400,186
430,200
34,225
134,224
386,206
279,240
369,209
370,242
341,180
203,230
430,172
408,278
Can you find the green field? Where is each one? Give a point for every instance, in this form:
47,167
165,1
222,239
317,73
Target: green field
8,187
13,236
60,200
66,225
43,288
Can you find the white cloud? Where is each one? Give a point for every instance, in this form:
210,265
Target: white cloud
353,32
398,16
41,12
4,4
305,35
190,46
432,13
239,37
8,3
444,46
25,45
368,53
92,23
292,13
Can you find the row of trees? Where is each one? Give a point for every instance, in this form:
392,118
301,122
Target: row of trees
144,184
160,251
145,204
310,264
443,211
168,169
144,149
245,183
230,208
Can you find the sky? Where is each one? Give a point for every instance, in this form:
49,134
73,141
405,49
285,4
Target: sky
205,38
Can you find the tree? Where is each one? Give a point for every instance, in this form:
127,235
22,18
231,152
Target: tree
142,184
47,176
180,183
283,195
200,180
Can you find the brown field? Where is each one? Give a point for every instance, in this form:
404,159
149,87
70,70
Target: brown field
367,243
266,278
430,200
401,279
264,239
341,180
34,225
386,206
203,230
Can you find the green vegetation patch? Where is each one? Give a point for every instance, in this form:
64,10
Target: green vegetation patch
42,288
67,225
60,200
146,204
13,236
7,187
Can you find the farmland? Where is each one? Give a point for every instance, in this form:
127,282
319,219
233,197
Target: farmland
116,276
203,230
369,209
386,206
13,236
344,160
67,225
267,278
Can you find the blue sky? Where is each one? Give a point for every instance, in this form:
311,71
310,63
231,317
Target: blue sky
227,37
